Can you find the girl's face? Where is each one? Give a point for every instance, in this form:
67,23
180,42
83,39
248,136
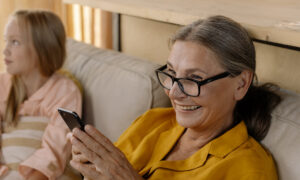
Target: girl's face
19,54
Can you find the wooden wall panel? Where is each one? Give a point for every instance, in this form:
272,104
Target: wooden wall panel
278,65
268,20
148,39
106,29
89,25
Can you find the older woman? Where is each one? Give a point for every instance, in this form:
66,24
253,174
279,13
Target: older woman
212,130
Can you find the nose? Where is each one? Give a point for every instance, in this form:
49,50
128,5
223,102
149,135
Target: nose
175,92
6,51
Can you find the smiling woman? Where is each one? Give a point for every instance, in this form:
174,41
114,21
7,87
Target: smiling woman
213,130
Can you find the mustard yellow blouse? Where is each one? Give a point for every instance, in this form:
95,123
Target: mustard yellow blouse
232,156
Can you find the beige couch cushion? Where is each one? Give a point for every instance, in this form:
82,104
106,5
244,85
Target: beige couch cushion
283,138
117,88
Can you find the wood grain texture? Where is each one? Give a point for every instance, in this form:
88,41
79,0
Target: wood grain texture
270,20
148,39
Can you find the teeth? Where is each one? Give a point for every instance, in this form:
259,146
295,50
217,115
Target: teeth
189,108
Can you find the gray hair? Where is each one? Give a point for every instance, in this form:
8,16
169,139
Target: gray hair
234,48
226,38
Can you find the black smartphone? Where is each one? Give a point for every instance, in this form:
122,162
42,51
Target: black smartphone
71,118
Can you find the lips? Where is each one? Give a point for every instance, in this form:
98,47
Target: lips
187,107
7,61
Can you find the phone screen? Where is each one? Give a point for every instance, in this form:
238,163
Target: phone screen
71,119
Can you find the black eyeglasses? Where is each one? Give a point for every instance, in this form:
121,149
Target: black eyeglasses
188,86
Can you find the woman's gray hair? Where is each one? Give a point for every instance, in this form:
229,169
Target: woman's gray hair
235,51
226,38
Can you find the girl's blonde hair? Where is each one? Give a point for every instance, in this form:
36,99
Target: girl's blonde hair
46,32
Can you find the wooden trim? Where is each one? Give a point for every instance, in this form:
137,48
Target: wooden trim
276,21
97,27
58,8
93,26
106,29
82,24
69,20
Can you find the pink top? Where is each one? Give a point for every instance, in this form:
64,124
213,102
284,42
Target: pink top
58,91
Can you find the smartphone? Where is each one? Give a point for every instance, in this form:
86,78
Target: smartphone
71,118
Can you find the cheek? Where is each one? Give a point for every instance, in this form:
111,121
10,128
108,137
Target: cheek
167,93
30,58
20,54
26,61
219,98
222,90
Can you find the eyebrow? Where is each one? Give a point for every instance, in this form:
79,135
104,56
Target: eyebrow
11,36
189,71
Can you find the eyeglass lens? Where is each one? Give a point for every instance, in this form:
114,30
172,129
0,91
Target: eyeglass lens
187,86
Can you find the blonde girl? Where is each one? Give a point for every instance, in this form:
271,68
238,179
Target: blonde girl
33,137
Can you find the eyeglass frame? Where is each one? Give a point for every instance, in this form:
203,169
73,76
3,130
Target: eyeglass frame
199,83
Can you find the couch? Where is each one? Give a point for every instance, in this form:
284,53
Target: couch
118,88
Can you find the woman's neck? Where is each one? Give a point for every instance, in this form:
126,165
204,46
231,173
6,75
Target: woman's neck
194,139
201,137
33,82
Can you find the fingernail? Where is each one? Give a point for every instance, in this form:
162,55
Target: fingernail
69,135
75,130
88,127
74,140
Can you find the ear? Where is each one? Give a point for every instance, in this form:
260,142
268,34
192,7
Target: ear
243,82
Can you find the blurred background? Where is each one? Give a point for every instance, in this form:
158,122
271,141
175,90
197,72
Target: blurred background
81,22
142,28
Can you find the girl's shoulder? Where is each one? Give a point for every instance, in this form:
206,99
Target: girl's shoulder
64,79
58,88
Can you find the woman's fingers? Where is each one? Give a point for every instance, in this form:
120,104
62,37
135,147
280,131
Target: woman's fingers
103,141
98,143
87,170
108,160
80,158
99,137
89,143
75,151
69,136
76,154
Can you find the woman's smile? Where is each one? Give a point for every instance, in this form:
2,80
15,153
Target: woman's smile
186,107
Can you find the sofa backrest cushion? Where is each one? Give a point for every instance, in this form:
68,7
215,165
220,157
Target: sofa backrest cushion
283,138
117,88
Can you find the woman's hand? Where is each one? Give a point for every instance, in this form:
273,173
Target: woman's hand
97,158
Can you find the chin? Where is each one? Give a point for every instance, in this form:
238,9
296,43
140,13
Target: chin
188,119
10,71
